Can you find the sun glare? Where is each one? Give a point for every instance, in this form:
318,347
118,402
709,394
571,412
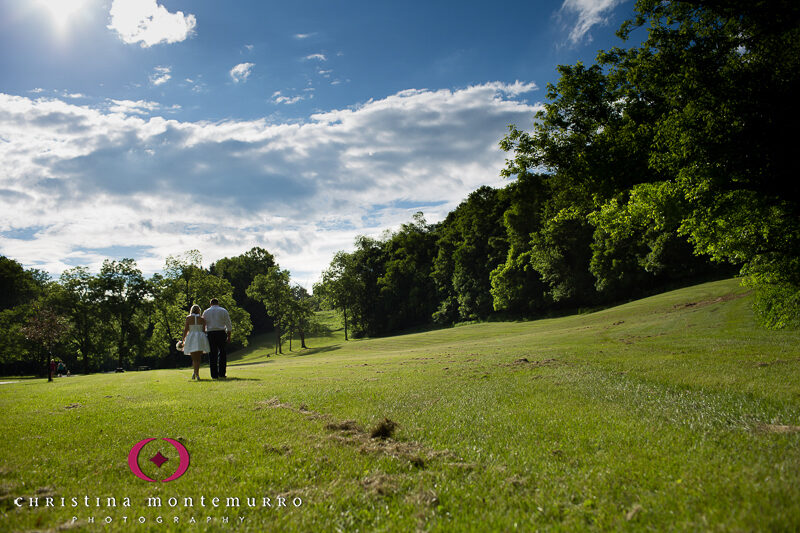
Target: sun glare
62,11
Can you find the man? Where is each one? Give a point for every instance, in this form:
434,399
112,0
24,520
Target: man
219,328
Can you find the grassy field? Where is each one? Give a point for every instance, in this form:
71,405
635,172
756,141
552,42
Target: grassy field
674,412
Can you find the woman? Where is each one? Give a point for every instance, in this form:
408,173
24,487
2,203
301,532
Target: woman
195,341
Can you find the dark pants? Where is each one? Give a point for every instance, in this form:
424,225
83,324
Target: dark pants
217,358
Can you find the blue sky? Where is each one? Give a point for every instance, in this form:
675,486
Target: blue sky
145,128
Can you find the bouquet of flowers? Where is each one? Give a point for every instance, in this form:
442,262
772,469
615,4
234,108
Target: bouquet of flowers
179,346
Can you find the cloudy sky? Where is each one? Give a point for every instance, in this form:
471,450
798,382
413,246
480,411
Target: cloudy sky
145,128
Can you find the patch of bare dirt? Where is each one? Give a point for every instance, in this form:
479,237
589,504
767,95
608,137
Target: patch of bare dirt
527,363
72,406
381,484
277,450
378,440
703,303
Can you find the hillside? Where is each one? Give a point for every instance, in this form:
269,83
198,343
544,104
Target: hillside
671,412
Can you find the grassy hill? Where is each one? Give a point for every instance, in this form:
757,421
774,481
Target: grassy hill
671,412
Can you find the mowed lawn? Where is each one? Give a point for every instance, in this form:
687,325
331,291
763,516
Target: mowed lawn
674,412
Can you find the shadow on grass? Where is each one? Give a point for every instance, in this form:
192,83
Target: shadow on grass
312,351
251,364
229,378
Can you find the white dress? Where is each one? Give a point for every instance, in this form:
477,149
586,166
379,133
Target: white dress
196,339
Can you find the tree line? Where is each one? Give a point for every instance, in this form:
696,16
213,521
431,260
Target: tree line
661,163
118,318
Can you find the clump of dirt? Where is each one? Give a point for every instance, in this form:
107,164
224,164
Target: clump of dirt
277,450
524,361
72,406
636,509
347,425
272,403
381,484
384,430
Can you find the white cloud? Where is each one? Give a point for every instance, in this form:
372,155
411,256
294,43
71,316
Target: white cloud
589,13
241,72
317,57
138,107
303,35
278,98
126,182
37,90
160,75
249,47
146,22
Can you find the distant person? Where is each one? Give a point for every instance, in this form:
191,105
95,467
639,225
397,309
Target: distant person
62,369
195,340
52,368
219,328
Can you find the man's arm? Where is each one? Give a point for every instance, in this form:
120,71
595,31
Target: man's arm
228,324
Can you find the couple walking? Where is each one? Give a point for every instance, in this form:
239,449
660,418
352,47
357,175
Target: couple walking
208,333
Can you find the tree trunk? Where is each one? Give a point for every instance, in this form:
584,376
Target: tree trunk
345,323
302,333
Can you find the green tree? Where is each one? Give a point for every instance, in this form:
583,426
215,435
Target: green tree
272,290
471,243
184,283
728,74
124,289
301,315
407,292
78,297
240,271
339,286
45,328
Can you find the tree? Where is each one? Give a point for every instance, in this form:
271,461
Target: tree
186,268
728,74
471,243
516,286
124,289
45,328
184,283
301,314
79,299
240,271
17,285
407,292
339,285
272,290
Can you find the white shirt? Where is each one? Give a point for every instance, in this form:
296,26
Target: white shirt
217,319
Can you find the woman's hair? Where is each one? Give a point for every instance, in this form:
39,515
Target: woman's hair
195,310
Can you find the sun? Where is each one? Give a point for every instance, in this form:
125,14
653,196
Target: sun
62,11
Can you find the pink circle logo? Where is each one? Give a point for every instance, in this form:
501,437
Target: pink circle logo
158,460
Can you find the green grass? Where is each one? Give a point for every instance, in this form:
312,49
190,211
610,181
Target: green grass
672,412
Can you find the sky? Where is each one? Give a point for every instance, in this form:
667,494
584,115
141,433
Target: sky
146,128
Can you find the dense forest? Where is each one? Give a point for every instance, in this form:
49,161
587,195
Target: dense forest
662,163
117,318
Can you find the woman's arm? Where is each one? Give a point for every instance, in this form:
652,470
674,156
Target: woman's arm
185,328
